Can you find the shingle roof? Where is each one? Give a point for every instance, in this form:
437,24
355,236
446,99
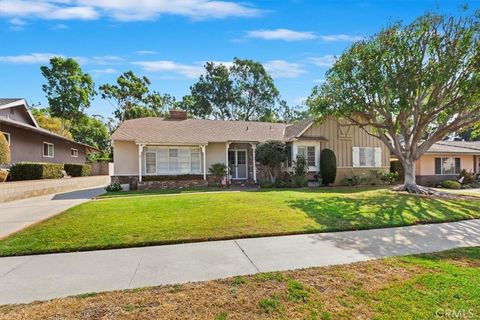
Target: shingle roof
4,101
469,147
196,131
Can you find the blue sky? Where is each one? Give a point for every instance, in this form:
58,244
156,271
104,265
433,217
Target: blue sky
168,41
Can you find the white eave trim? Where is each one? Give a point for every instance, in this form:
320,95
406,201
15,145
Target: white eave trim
21,102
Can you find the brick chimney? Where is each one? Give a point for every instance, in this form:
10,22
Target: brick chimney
177,114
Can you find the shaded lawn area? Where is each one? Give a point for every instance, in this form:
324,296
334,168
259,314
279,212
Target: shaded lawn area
118,194
137,221
412,287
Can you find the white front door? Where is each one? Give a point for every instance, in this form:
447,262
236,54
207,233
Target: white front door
237,162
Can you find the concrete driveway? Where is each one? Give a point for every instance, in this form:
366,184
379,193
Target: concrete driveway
16,215
28,278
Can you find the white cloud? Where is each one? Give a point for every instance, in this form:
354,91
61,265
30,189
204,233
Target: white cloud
17,22
291,35
142,52
323,61
281,34
31,58
284,69
99,72
340,37
189,71
49,9
300,101
60,26
123,10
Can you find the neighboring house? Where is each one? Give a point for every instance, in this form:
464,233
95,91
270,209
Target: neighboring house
181,146
29,142
445,159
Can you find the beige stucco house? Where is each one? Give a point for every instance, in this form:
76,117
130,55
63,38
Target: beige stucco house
29,142
180,146
445,159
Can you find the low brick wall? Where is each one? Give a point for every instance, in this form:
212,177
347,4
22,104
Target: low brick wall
172,184
16,190
163,184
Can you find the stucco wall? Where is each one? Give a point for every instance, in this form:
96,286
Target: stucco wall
215,153
28,146
426,164
341,139
125,156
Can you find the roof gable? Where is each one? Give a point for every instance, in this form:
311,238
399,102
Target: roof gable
6,103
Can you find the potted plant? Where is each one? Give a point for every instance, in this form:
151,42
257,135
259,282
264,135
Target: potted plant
219,170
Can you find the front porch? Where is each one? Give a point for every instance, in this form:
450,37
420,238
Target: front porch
158,165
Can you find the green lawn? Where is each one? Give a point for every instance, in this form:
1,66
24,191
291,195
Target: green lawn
428,286
136,221
119,194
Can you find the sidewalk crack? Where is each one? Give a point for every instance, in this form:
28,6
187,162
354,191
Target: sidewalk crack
243,251
136,270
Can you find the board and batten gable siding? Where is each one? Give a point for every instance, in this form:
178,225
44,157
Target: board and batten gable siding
342,140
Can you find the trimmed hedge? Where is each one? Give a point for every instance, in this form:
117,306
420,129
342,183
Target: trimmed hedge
328,166
451,184
35,171
176,177
77,170
4,150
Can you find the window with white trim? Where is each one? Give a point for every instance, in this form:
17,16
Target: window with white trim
172,160
74,153
150,162
366,157
48,150
447,165
7,136
308,152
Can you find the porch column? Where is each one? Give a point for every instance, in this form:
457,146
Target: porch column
254,146
204,153
140,149
227,145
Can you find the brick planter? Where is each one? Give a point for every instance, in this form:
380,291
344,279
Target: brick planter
171,184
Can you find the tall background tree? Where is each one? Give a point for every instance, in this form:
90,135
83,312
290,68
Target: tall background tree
69,90
410,86
243,91
131,98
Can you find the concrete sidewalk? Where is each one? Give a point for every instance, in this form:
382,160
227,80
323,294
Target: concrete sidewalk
18,214
29,278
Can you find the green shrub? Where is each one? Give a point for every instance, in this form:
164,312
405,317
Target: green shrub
4,150
451,184
218,170
299,182
300,166
36,170
351,181
114,187
389,177
328,166
77,170
265,183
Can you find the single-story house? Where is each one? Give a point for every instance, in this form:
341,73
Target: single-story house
445,159
180,146
29,142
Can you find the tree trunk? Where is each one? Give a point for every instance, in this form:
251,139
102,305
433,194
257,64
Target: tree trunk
410,183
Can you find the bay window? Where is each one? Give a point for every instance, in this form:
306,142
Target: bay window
308,152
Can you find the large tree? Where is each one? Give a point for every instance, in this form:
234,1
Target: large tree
131,97
243,91
410,86
92,130
69,91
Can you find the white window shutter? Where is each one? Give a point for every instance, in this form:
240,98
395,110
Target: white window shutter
356,156
378,157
